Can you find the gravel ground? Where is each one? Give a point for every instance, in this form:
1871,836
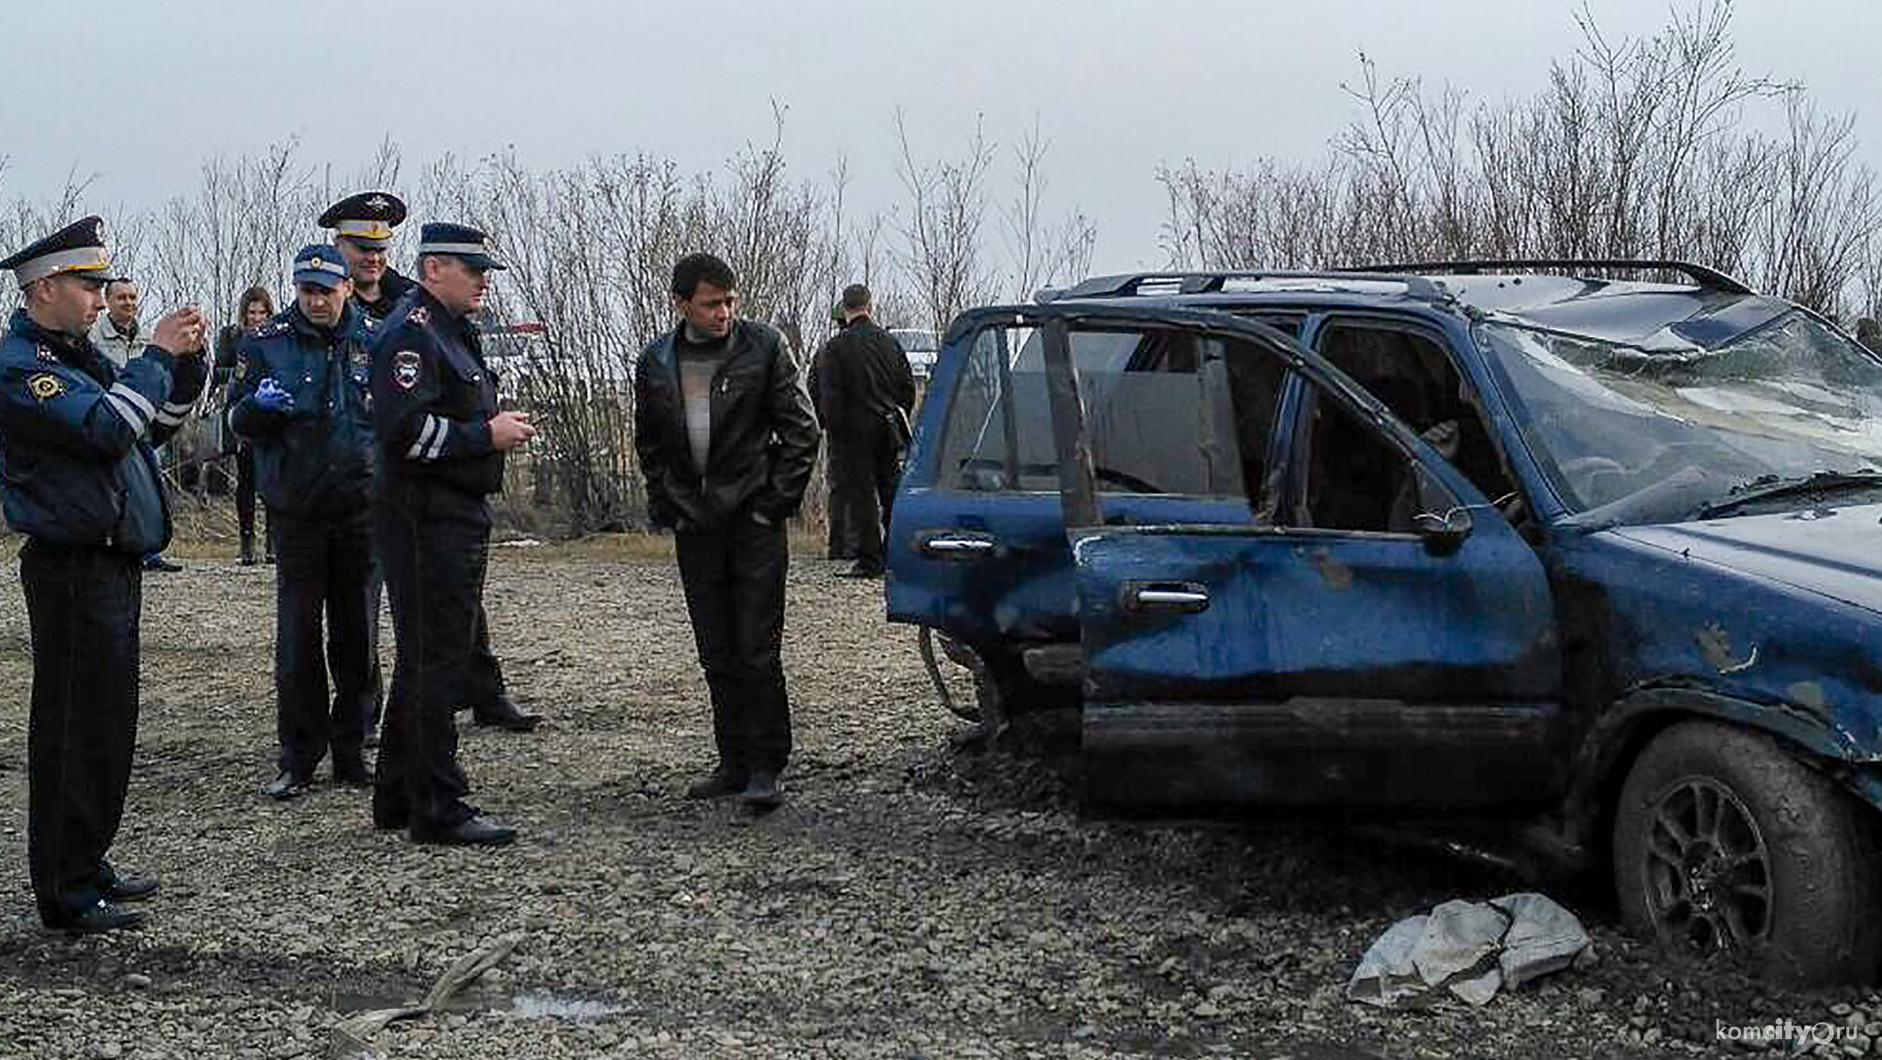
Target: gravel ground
912,900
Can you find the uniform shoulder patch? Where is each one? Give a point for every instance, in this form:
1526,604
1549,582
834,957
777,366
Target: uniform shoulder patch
420,316
45,354
405,365
272,328
45,386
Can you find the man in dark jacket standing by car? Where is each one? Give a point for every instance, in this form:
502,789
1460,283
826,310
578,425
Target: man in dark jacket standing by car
298,396
79,478
865,393
726,439
441,442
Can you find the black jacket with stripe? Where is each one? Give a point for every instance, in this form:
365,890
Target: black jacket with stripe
432,400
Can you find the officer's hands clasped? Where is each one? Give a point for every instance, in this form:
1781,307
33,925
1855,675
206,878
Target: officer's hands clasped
180,331
509,430
270,396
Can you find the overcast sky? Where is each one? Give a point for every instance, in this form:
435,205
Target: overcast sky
140,91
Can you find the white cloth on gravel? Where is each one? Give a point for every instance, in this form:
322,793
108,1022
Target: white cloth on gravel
1468,949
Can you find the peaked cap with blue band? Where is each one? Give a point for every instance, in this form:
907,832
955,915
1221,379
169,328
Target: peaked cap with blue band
463,241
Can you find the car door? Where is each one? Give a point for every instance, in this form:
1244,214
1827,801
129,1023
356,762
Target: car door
1383,639
977,543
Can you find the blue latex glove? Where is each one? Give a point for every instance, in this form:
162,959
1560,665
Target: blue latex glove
270,396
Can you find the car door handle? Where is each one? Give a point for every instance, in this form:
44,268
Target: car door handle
1177,597
958,547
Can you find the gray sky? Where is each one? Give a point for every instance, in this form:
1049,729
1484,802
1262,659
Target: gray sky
140,91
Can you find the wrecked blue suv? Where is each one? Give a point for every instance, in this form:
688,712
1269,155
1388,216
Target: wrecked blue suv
1509,539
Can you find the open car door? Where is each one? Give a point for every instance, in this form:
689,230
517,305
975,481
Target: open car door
1395,651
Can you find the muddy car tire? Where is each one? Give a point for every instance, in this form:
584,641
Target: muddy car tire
1725,843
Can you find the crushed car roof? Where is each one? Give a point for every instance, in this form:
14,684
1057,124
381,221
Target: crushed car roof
1713,309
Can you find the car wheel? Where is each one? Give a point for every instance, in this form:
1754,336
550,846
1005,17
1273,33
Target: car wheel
1723,843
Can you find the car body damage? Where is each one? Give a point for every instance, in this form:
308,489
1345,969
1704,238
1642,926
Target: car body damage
1461,543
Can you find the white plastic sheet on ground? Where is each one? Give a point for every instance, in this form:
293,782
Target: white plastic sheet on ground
1469,950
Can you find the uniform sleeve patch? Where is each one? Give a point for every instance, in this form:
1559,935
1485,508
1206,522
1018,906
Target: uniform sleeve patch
405,369
45,386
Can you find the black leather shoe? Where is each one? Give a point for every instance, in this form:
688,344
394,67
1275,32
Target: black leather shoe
96,917
248,552
861,570
505,714
762,790
287,786
473,832
353,773
155,561
717,785
132,888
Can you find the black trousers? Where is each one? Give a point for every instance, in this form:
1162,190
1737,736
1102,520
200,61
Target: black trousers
324,567
865,467
734,584
82,604
245,490
434,545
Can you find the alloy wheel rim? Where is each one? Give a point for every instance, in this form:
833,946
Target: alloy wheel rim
1707,870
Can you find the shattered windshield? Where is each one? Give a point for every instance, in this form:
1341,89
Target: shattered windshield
1633,435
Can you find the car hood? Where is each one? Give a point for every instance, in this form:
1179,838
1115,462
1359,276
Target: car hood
1835,552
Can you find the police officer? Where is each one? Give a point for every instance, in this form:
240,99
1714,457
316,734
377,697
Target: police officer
299,397
865,393
441,442
362,225
78,476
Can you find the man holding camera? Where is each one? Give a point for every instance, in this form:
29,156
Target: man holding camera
79,478
299,397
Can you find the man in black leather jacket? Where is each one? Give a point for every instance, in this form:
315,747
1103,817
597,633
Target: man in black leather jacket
864,396
298,397
726,439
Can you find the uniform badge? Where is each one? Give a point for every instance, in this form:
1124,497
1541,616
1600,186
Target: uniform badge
405,369
360,357
419,315
46,355
45,386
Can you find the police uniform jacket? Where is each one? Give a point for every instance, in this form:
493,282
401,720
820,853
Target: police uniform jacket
764,434
315,458
432,400
392,288
76,431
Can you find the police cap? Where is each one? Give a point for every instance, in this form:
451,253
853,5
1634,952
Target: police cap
367,218
462,241
320,263
78,247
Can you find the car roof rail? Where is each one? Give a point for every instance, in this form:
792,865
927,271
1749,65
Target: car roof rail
1707,278
1181,282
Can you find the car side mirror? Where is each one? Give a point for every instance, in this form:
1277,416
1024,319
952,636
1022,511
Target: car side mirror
1444,532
